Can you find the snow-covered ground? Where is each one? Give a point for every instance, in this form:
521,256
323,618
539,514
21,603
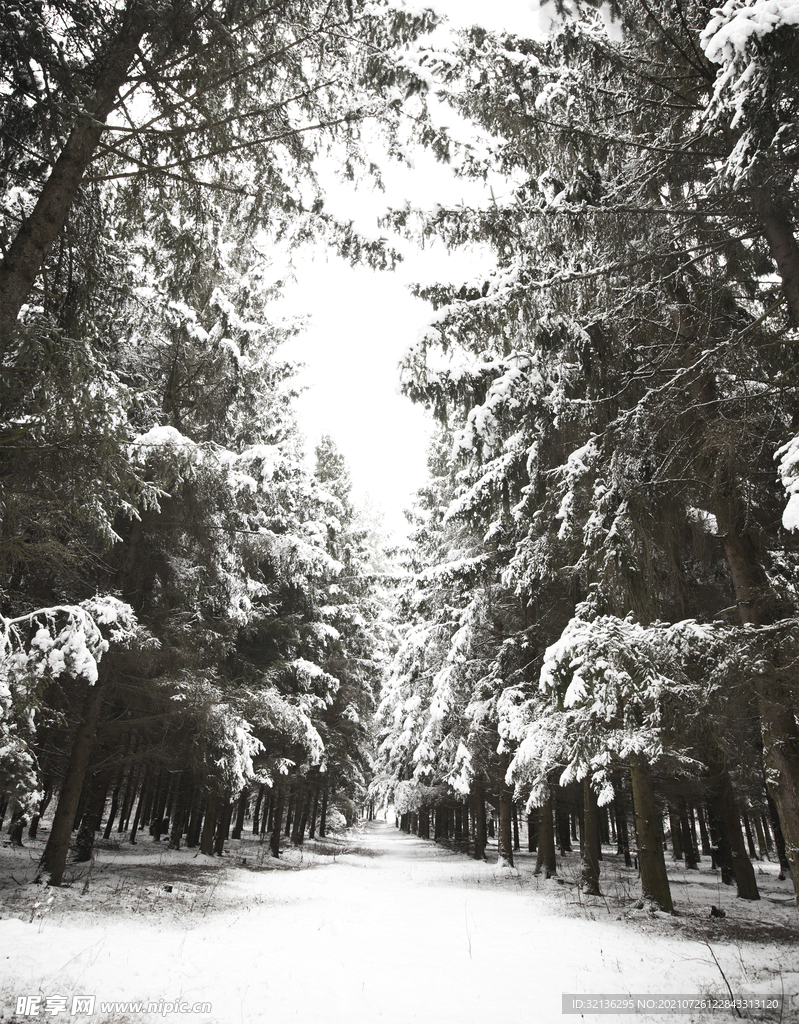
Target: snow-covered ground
375,926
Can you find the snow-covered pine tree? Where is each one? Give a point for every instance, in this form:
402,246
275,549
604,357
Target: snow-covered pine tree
625,282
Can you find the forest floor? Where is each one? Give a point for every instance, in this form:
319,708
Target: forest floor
376,926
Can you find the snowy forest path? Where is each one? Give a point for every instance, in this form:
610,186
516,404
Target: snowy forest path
377,926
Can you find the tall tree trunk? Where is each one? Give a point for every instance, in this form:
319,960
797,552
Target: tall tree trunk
532,830
545,860
160,801
779,839
306,810
620,806
16,825
479,813
750,839
562,819
223,828
274,842
741,865
703,833
761,836
129,795
298,829
26,253
777,713
54,856
209,824
112,812
589,842
143,796
314,812
778,232
179,815
323,814
91,818
505,835
195,818
688,838
291,806
654,880
674,829
241,810
256,814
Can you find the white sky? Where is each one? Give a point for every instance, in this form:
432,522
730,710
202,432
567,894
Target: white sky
362,321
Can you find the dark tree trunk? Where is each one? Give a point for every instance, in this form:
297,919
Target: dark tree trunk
159,807
515,820
314,812
129,795
620,807
112,811
604,829
90,820
209,824
143,796
195,818
703,833
223,828
721,856
761,836
688,837
54,856
280,799
766,826
323,814
16,825
750,839
24,257
562,816
272,804
786,868
505,839
179,812
623,836
654,880
778,232
298,831
532,830
303,818
674,829
241,810
589,842
479,814
729,825
267,813
256,814
778,724
545,860
120,776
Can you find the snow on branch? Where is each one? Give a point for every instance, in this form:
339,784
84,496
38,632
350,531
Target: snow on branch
41,646
788,456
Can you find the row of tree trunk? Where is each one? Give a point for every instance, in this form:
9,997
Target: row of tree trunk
175,806
713,826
